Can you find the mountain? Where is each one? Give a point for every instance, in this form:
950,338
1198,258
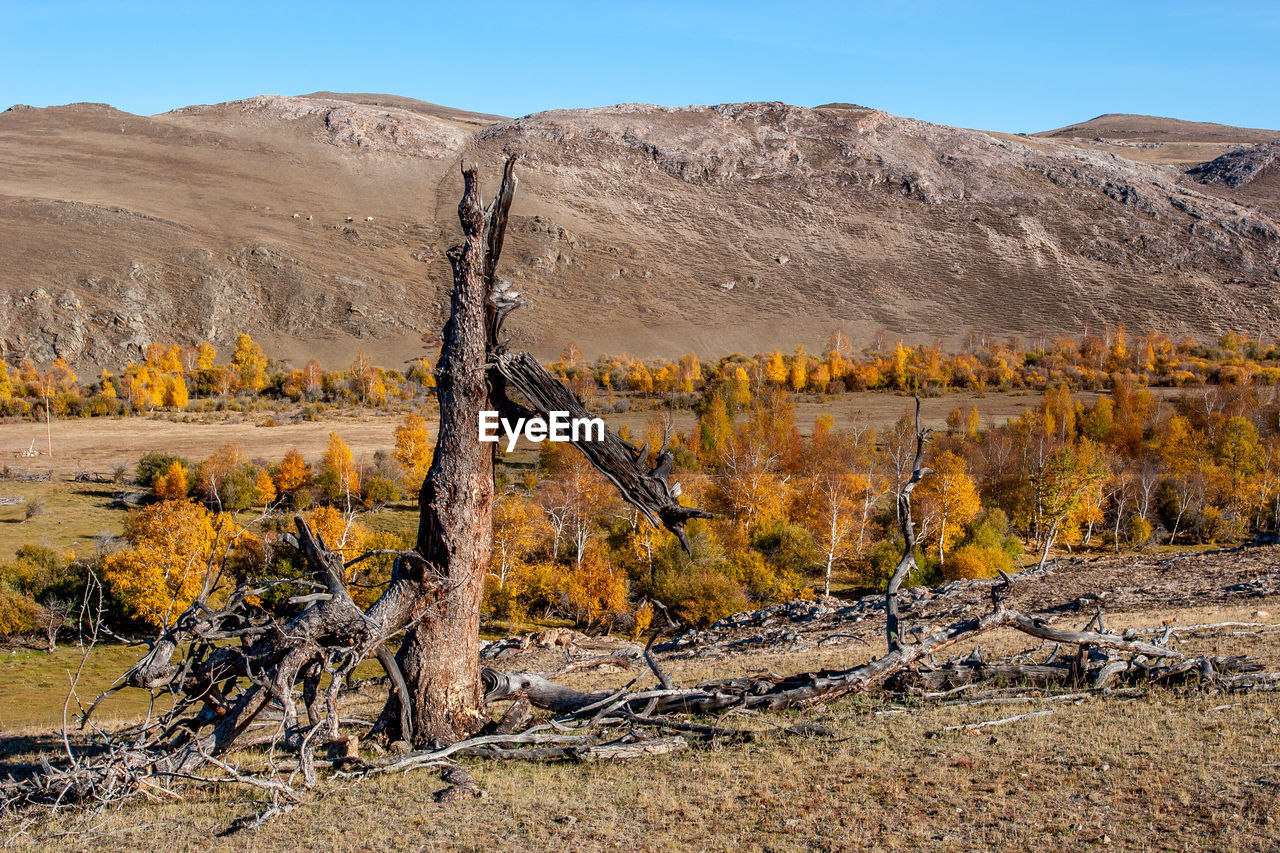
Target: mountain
319,225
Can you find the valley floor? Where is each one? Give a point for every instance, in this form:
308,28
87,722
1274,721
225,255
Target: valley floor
1170,770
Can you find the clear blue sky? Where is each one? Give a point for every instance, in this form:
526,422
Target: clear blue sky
1024,66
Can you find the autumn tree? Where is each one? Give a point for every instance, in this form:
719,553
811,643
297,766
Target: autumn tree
1184,455
250,364
293,472
366,381
518,529
172,547
172,484
413,449
596,590
1064,485
226,479
342,531
573,495
205,354
949,498
264,488
831,495
339,478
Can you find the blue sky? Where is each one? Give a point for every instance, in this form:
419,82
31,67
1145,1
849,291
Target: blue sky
1001,66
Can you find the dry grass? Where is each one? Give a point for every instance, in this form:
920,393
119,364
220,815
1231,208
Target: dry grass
1169,771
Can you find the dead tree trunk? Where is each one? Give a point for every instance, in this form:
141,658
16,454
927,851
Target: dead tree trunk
892,628
440,656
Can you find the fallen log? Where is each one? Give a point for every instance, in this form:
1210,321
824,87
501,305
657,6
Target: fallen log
808,688
1003,722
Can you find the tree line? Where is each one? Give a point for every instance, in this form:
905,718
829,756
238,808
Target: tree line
796,513
185,378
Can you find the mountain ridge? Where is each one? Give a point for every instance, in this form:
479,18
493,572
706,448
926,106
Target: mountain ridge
318,223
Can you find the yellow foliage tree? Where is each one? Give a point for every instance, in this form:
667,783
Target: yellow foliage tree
171,547
342,532
596,590
639,378
293,473
740,388
413,449
61,376
172,484
749,482
264,488
949,499
519,527
205,354
775,369
250,363
338,465
108,386
798,375
175,391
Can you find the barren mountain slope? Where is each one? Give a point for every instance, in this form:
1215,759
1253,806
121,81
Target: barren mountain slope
1152,139
319,225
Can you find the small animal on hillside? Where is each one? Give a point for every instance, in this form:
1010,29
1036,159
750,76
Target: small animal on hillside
552,637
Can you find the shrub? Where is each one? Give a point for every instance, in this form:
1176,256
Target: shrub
19,614
641,619
785,545
380,490
154,464
1140,531
991,530
502,601
882,558
766,582
41,573
700,596
976,561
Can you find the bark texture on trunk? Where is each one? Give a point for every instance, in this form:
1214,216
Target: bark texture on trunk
440,656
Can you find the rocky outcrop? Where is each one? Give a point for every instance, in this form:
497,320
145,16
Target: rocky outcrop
1238,168
375,128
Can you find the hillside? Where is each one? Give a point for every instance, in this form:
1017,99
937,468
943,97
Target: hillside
319,225
1156,140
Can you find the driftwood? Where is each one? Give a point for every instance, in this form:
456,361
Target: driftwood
1152,664
24,476
988,723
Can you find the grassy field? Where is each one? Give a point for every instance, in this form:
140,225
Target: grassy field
34,685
